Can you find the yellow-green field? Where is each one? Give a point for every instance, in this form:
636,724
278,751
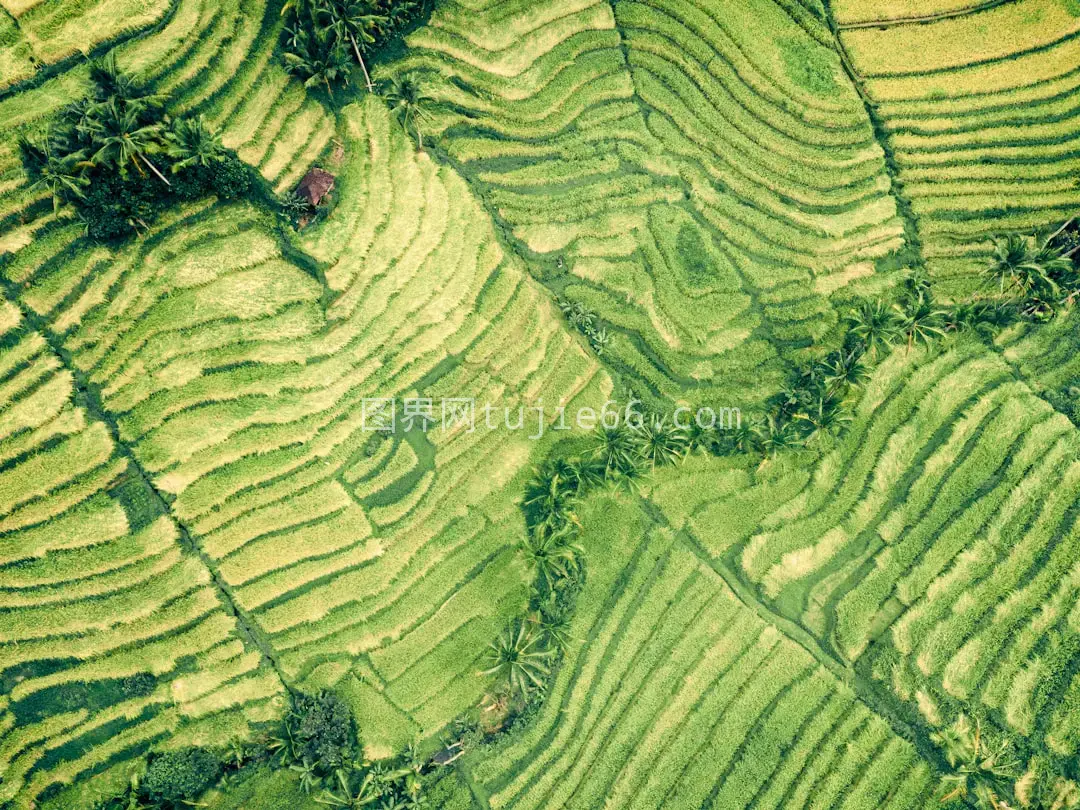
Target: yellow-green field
673,201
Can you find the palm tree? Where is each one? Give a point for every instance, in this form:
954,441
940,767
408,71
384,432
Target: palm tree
553,623
586,473
810,380
408,104
192,143
921,322
1011,254
981,317
284,749
123,139
614,448
826,415
659,442
552,554
700,439
793,398
112,84
874,325
77,125
365,794
978,771
236,754
354,19
600,340
308,776
579,315
62,175
410,770
744,438
773,436
551,492
1032,271
316,55
516,657
1056,284
845,370
917,282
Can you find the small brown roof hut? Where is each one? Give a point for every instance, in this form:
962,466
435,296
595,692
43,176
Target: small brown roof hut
315,185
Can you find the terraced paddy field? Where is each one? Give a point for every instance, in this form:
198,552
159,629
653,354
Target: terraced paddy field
931,552
676,694
115,637
712,193
979,105
203,533
40,33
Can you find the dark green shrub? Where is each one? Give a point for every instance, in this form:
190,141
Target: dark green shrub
175,776
114,207
322,727
140,684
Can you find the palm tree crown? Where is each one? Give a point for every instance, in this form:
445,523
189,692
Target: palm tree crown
123,138
61,174
408,104
979,771
874,325
516,656
921,321
190,142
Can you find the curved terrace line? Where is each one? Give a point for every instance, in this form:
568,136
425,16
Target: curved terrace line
925,18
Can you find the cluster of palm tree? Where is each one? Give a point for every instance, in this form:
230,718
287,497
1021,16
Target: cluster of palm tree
985,774
316,742
585,321
618,454
322,38
394,785
1037,276
817,400
104,152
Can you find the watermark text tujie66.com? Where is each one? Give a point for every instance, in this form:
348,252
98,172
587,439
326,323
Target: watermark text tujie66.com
394,415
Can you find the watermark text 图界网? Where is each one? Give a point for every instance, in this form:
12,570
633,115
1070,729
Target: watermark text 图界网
448,414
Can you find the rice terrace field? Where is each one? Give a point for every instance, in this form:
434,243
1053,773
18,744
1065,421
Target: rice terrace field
539,404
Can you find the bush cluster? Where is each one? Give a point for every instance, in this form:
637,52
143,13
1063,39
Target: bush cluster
322,727
316,743
173,780
322,37
120,160
176,776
